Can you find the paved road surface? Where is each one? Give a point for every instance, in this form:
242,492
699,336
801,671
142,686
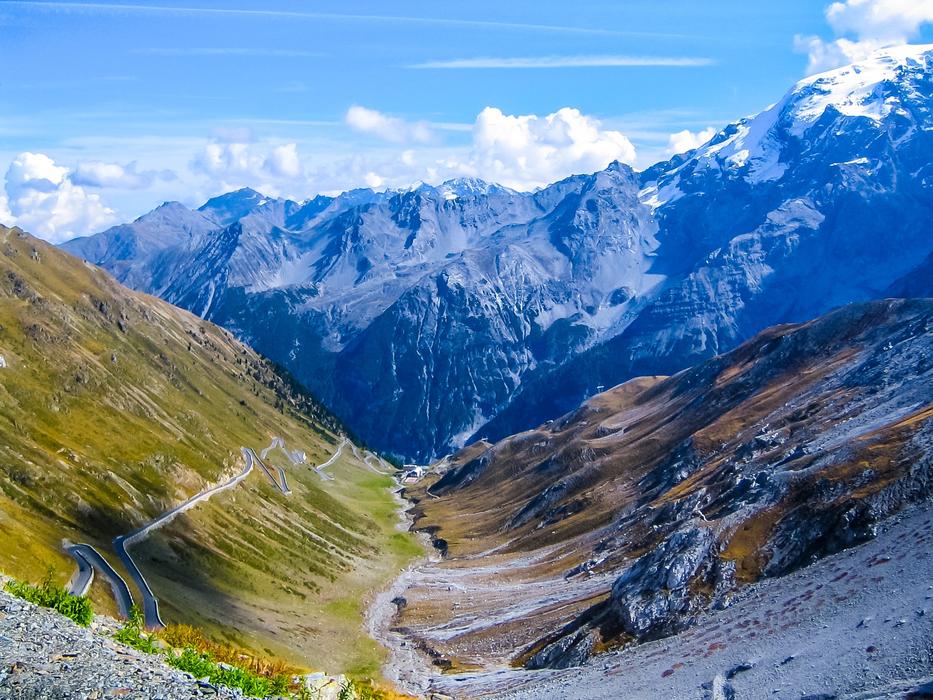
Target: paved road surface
367,460
120,543
150,602
281,484
83,576
86,555
333,458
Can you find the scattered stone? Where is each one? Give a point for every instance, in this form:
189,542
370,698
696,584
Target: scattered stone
82,663
739,668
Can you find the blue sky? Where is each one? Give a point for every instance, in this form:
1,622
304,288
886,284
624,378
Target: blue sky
118,107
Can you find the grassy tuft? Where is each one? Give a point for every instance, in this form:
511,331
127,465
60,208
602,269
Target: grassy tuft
196,658
50,595
201,665
188,637
132,633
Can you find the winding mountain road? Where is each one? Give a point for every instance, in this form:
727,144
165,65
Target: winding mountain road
83,577
333,458
89,560
86,557
366,460
281,483
120,543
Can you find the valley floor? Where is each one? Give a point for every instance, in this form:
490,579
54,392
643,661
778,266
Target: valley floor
858,624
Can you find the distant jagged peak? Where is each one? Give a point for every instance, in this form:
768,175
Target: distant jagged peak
230,207
753,148
457,187
471,187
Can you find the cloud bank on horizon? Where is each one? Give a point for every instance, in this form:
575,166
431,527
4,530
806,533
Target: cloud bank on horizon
86,184
863,26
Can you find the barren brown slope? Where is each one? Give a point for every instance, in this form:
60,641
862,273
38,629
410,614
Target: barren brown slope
116,406
659,498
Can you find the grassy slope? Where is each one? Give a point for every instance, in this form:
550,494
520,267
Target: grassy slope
115,406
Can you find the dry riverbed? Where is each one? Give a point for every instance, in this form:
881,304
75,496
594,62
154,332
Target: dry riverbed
858,624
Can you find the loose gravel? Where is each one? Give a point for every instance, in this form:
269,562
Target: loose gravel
45,655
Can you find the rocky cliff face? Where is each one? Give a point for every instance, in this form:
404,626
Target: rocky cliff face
658,500
428,316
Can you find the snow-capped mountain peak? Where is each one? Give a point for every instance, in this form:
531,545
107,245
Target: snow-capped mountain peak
856,90
756,148
421,313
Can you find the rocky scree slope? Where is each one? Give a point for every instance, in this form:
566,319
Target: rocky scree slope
424,317
658,500
45,655
116,406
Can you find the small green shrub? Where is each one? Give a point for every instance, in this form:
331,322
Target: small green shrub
49,595
132,634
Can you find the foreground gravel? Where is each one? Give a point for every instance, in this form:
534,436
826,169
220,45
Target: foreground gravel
854,626
45,655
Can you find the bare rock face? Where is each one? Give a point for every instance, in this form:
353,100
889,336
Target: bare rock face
568,651
663,589
430,316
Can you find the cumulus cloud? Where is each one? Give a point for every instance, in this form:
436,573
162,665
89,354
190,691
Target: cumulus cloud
885,20
520,151
283,161
862,26
528,151
393,129
687,140
244,163
100,174
42,199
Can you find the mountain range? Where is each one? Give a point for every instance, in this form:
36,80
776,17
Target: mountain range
428,317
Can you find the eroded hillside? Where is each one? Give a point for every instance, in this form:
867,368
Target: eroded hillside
658,500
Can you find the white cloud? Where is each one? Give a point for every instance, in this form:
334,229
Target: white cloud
233,164
42,199
6,216
826,55
687,140
874,24
100,174
528,151
373,180
284,162
520,151
585,61
883,20
375,123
